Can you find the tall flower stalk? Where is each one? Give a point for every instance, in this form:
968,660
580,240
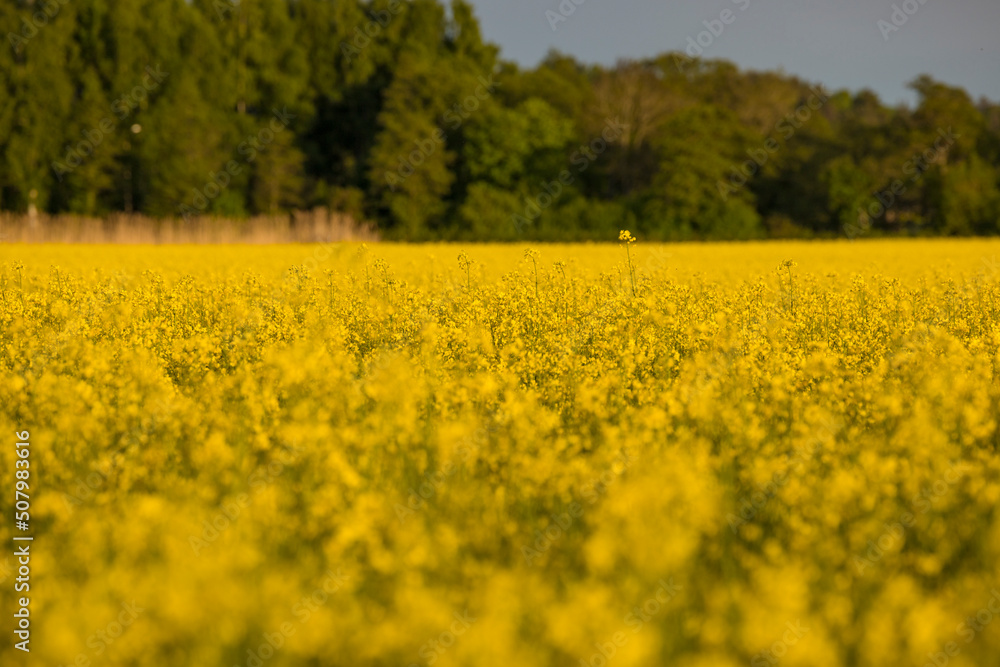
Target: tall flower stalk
625,236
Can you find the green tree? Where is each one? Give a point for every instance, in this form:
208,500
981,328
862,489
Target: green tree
508,156
848,189
441,75
38,107
699,191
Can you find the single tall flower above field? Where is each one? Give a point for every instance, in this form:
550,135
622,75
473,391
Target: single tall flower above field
625,236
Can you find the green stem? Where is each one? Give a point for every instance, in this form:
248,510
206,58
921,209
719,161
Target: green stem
631,271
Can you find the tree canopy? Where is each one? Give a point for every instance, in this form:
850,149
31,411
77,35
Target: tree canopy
398,112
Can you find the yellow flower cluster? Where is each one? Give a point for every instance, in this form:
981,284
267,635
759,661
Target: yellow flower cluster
704,455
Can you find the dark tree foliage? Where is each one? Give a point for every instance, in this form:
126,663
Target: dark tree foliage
398,112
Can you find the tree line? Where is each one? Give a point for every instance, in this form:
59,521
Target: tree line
398,112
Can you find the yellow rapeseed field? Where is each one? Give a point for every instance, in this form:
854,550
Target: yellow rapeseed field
608,455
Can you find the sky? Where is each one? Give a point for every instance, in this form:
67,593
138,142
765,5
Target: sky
839,43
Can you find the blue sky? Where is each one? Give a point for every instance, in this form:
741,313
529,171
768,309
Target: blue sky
836,43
